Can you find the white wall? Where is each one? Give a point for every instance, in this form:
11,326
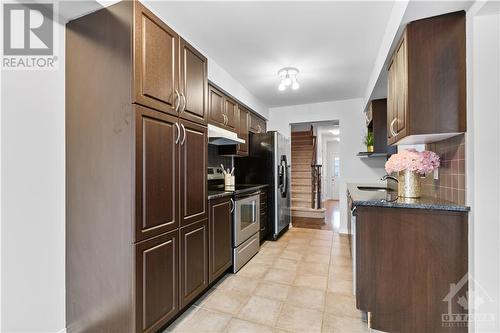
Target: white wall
33,199
483,156
352,128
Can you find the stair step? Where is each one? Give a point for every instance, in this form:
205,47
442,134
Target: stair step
302,197
300,133
302,188
301,174
300,181
308,212
302,169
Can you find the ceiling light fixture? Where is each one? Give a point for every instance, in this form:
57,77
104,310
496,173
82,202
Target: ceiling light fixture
288,78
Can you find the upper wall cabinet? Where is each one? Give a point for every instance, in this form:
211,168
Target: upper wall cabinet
257,124
193,84
426,99
156,63
170,75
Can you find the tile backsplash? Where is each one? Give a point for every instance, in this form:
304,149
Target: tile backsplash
451,183
215,160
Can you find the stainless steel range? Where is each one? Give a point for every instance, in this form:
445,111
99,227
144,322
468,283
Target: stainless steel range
246,217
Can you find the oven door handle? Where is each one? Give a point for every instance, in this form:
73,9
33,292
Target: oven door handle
232,205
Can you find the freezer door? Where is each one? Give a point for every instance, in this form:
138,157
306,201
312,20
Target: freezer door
282,183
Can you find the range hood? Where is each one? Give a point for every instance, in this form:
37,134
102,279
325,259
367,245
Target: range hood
221,137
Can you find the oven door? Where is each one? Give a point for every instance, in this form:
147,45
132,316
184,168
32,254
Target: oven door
246,217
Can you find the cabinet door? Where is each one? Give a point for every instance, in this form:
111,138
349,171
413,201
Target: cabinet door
193,83
193,166
155,62
232,115
216,107
402,85
243,131
257,125
194,261
157,173
219,228
254,124
391,96
156,281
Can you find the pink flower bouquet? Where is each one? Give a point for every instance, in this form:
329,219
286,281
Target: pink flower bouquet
409,159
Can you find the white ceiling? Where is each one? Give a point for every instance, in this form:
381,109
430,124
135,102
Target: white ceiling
334,44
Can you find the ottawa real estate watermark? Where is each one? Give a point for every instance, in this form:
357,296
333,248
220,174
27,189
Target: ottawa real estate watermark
467,301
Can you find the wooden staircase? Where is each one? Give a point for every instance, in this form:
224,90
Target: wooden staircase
303,147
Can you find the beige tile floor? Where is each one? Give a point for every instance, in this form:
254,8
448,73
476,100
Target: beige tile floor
300,283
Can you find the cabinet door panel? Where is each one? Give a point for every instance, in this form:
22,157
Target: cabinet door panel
194,261
220,237
194,84
390,101
402,73
156,281
193,166
155,62
257,125
216,107
157,175
231,111
243,130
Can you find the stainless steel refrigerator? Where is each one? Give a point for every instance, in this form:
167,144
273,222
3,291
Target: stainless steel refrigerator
269,163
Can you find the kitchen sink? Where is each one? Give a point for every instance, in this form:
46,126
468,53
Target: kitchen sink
375,188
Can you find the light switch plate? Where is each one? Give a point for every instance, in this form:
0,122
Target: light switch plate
436,174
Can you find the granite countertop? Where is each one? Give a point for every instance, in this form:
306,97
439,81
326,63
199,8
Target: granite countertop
391,199
223,193
219,194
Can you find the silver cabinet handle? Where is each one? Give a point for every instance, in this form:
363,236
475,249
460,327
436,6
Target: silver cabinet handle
225,118
183,103
177,100
178,133
260,128
183,134
393,133
232,205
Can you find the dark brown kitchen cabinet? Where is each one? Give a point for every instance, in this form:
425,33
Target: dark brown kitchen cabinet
136,160
243,131
169,74
193,84
193,261
217,115
193,178
219,229
156,62
426,96
157,173
156,280
257,124
406,261
232,115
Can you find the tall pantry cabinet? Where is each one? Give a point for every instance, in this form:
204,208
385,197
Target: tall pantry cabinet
136,160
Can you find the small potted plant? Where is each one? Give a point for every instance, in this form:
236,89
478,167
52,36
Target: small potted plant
410,166
369,142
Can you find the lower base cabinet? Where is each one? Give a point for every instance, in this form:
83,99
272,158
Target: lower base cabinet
156,281
193,261
219,225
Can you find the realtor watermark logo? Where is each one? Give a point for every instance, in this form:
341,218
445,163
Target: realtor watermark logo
466,300
28,36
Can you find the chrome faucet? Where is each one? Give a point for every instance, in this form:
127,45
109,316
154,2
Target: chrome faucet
385,177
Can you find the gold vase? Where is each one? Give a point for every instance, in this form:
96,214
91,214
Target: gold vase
369,149
409,184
